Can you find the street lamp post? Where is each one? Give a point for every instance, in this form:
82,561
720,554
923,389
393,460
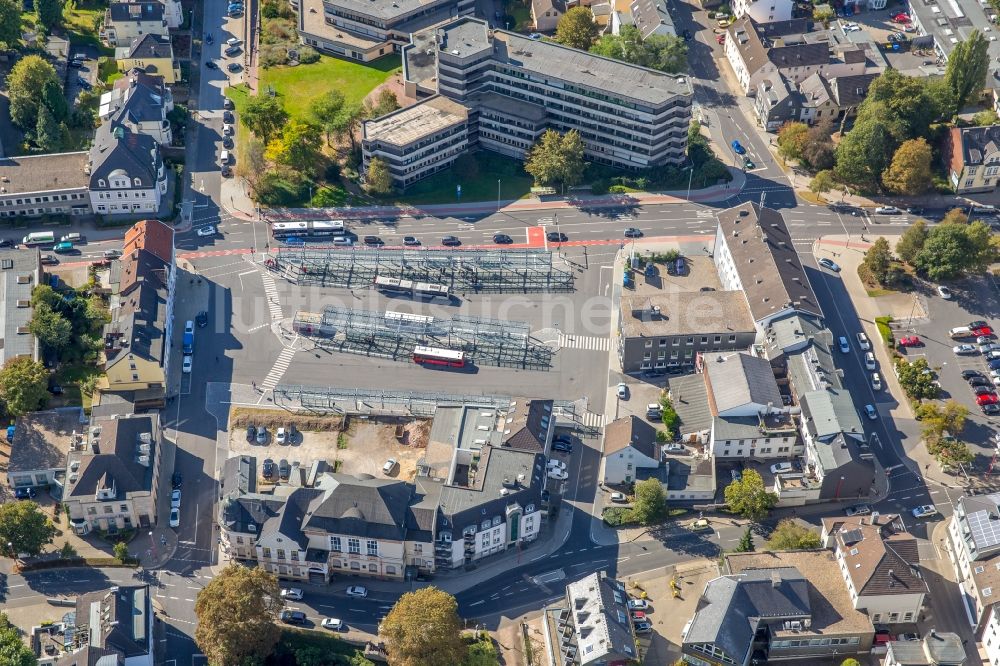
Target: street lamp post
498,195
690,177
839,484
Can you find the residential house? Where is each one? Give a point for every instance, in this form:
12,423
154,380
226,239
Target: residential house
630,445
819,98
545,14
772,606
764,11
20,273
36,185
934,649
38,448
127,173
652,18
151,53
973,158
112,627
125,22
880,563
113,473
141,102
591,626
136,355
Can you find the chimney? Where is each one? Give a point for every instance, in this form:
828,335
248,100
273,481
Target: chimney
775,580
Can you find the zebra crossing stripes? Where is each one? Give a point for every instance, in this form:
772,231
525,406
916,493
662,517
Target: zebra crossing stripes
593,420
278,369
271,293
589,342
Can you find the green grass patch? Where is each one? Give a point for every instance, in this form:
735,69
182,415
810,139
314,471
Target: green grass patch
618,516
884,330
72,377
480,186
81,21
298,86
519,14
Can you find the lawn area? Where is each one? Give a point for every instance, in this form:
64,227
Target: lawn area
440,188
520,15
80,21
70,377
298,86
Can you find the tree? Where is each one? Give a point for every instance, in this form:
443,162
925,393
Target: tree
850,662
671,419
986,117
482,652
749,498
819,155
966,71
936,421
386,102
823,14
557,159
48,136
650,501
878,260
916,379
10,23
912,241
955,216
53,331
910,170
576,28
423,629
23,385
950,250
121,552
378,180
54,99
26,83
949,451
792,137
13,650
346,123
864,153
252,165
822,182
264,116
790,535
298,147
982,247
236,612
746,541
25,527
324,111
667,53
49,13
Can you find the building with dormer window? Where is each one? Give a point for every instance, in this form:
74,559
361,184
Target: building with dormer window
127,174
972,156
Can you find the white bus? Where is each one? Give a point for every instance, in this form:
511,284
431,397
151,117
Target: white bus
409,287
39,238
434,356
308,229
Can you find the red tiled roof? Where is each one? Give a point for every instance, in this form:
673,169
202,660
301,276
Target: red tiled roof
152,236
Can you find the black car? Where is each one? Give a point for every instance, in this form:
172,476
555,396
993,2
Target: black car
994,364
228,117
226,171
688,36
228,104
75,64
83,83
979,323
208,38
450,241
990,408
251,433
915,210
201,319
49,260
234,67
7,243
232,50
969,374
267,468
979,381
284,469
982,390
24,493
373,240
227,142
292,617
502,239
176,479
563,447
210,64
556,237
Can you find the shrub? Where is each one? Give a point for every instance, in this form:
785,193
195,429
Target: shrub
618,189
272,55
282,188
307,54
599,187
617,516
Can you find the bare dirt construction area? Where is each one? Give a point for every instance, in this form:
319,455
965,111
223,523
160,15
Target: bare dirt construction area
368,444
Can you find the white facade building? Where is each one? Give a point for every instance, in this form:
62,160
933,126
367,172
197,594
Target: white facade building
763,11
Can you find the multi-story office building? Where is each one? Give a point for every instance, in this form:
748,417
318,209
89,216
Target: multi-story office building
515,87
44,185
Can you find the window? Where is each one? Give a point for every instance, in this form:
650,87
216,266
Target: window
267,553
281,553
980,569
354,546
908,616
123,508
648,343
108,509
335,545
390,570
418,548
239,540
987,591
372,546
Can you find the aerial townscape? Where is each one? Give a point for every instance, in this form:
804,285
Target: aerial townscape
499,332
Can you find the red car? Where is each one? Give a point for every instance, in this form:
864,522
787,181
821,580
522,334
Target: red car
721,38
987,399
638,616
901,18
982,331
910,341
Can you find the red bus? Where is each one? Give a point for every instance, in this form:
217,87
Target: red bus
434,356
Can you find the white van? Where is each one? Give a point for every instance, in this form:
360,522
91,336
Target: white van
983,209
224,157
960,332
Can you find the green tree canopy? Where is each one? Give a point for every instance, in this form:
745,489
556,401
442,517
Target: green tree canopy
790,535
324,111
916,380
264,116
792,137
864,153
822,182
910,170
878,260
13,650
746,541
576,28
557,159
347,122
26,84
237,611
378,180
967,67
298,147
53,331
385,102
423,629
937,420
912,241
650,501
667,53
10,23
49,13
955,216
23,385
953,249
48,134
25,527
749,498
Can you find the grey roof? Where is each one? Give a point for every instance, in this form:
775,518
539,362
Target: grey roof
788,333
44,173
768,266
651,17
851,90
123,12
113,458
117,619
150,46
500,470
41,439
386,10
734,604
685,313
363,507
978,142
815,90
290,519
91,655
690,399
143,99
981,518
782,100
631,431
138,323
829,413
119,150
20,272
602,631
510,106
550,60
936,649
735,427
736,379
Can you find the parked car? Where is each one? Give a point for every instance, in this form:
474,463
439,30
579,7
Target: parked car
332,623
389,465
887,210
642,627
978,323
876,382
284,469
175,518
292,617
111,254
232,51
49,260
558,465
965,350
208,230
944,292
622,391
267,469
987,399
858,510
864,342
562,446
638,604
63,248
829,264
201,319
450,241
870,360
845,346
735,474
176,479
924,511
228,117
373,240
24,493
281,436
981,331
781,468
676,447
293,593
870,412
990,409
979,381
969,374
251,433
982,389
619,498
262,435
558,475
187,364
234,67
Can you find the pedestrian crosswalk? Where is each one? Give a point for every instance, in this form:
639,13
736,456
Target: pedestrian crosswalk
589,342
592,420
271,293
278,369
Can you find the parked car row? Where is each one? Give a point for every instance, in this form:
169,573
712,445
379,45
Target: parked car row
273,472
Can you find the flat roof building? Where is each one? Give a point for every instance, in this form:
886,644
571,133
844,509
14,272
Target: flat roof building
44,185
